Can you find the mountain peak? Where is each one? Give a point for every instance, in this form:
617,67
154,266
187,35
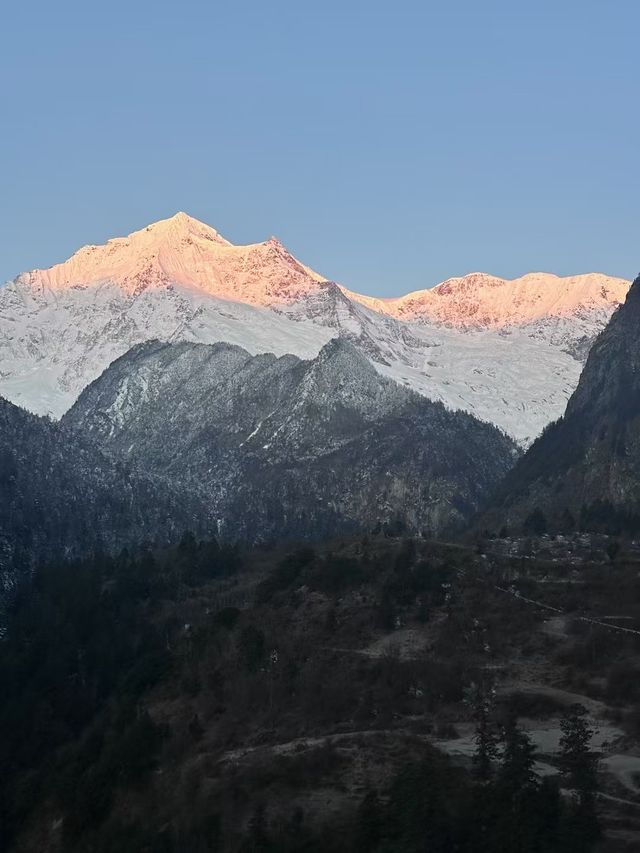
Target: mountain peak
184,251
180,226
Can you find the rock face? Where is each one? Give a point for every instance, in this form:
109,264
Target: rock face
589,461
283,447
509,352
62,497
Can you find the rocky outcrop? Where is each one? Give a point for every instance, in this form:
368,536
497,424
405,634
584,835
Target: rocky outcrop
588,462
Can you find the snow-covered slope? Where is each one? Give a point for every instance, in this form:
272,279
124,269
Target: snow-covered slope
508,352
565,311
54,342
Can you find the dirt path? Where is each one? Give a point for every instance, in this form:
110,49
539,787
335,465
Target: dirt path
625,769
565,697
302,743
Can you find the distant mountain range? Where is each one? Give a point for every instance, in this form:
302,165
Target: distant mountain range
507,352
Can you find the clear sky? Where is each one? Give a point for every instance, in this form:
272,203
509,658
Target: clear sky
388,145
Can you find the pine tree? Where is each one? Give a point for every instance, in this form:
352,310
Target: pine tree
481,701
580,765
516,787
516,772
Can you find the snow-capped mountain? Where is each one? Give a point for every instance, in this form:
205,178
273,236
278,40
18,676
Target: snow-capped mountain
508,352
181,250
480,301
565,311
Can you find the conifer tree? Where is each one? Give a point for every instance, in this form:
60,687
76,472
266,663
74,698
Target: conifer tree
481,700
515,788
580,765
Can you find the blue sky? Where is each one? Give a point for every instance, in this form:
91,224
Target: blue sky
388,145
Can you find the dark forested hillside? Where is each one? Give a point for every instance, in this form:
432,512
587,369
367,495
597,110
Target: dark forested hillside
289,448
366,696
60,496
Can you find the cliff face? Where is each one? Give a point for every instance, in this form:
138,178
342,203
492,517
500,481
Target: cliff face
591,456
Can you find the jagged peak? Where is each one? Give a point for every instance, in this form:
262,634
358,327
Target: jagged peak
161,233
182,223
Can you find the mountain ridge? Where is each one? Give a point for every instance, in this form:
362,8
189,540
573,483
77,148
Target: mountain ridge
179,279
536,294
286,447
94,263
